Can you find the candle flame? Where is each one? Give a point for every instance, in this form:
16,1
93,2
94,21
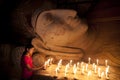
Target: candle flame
89,60
106,62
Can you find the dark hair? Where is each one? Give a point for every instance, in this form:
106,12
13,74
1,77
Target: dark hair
29,46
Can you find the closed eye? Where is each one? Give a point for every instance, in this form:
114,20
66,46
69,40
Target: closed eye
48,19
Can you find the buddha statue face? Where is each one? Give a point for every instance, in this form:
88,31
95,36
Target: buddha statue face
59,27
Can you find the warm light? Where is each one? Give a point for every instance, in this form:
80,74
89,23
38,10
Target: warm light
86,67
56,71
89,59
93,66
102,74
71,62
82,64
97,61
95,69
78,65
99,72
45,65
48,62
60,63
51,61
74,69
106,72
89,73
106,62
66,68
83,69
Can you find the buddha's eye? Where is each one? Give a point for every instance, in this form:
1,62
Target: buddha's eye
76,17
48,18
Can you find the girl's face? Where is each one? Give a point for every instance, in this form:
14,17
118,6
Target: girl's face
31,50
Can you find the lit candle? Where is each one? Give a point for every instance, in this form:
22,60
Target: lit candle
95,69
74,67
45,65
106,72
88,75
75,71
60,63
83,69
66,69
102,75
106,75
51,61
108,69
89,59
106,62
97,61
56,71
71,62
93,66
82,64
99,72
86,67
78,66
48,62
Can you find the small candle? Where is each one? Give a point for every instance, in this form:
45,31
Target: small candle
106,72
51,61
75,70
82,64
106,75
78,65
108,69
48,62
97,61
66,69
106,62
60,63
86,67
74,67
45,65
102,74
95,69
93,66
99,72
83,69
71,62
89,59
89,73
56,71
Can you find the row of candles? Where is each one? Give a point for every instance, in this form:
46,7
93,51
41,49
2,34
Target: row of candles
84,67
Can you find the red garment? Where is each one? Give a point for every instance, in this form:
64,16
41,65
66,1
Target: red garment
25,72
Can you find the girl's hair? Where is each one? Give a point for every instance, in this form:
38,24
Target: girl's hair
28,46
